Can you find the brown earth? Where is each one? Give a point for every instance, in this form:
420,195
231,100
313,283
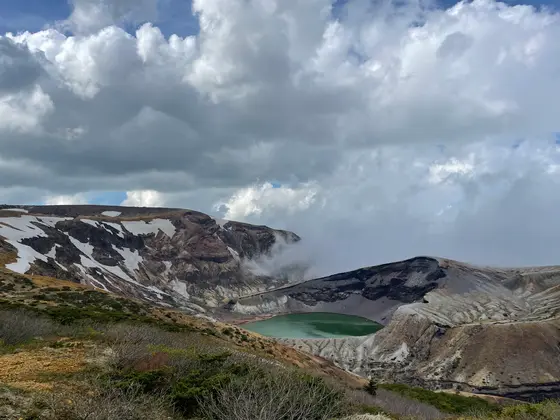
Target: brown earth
32,369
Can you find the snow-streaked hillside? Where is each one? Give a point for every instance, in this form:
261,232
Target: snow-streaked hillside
166,256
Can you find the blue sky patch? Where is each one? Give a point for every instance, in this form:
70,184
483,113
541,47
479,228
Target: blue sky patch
175,16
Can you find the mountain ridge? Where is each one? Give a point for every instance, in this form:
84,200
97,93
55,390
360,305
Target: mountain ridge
173,257
447,323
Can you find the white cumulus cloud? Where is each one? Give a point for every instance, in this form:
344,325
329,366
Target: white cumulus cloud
66,199
392,129
143,198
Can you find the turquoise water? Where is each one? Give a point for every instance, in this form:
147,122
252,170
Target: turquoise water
313,325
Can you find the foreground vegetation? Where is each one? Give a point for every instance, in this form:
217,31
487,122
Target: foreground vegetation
446,402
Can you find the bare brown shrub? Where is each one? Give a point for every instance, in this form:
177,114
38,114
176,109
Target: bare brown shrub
107,404
19,326
145,347
133,345
281,395
394,403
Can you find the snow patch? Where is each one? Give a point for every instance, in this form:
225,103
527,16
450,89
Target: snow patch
93,223
180,287
15,229
111,213
18,228
87,260
158,292
98,224
166,273
92,279
234,254
132,259
61,266
20,210
26,256
116,226
153,226
52,252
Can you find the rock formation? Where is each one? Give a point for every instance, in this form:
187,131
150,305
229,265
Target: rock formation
170,257
448,324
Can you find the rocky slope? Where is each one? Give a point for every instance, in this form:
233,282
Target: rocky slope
448,324
170,257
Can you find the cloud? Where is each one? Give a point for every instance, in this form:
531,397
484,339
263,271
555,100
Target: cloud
144,198
89,16
18,69
66,199
254,200
390,128
480,203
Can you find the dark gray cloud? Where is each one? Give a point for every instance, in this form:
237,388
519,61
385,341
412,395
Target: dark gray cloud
343,113
18,69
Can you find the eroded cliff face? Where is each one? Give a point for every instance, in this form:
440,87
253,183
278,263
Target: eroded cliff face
448,324
166,256
353,293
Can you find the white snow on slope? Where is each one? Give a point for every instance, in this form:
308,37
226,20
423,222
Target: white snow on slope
93,223
26,256
111,213
98,224
180,287
87,260
234,253
18,228
141,227
168,265
52,252
15,229
20,210
132,259
92,279
116,226
158,292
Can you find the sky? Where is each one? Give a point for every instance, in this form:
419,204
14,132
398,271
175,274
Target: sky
376,130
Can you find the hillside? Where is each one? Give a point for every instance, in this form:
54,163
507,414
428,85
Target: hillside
448,324
172,257
70,352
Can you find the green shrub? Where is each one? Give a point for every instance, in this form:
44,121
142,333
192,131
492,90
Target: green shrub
547,410
446,402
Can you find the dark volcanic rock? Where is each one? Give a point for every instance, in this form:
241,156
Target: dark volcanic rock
40,244
392,281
